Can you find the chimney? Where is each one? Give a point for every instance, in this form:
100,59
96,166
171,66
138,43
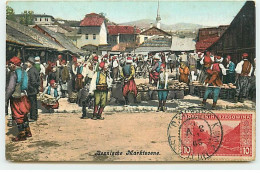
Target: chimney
151,25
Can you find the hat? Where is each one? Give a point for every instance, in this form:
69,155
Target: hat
16,61
218,58
102,65
53,65
156,57
105,56
95,58
245,55
52,81
59,56
37,58
129,60
31,60
114,57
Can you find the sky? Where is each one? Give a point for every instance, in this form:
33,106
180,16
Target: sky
207,13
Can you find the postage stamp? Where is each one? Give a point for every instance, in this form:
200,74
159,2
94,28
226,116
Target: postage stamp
197,134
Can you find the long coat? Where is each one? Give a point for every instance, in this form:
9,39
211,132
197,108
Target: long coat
33,81
184,74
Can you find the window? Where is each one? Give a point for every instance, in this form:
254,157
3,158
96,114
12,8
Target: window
40,19
145,38
86,36
47,19
94,36
35,19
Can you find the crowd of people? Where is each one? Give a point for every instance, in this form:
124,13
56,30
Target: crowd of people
95,76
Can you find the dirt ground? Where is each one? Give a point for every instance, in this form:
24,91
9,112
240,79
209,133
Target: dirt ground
66,137
63,136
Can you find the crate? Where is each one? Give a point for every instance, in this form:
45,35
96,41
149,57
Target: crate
179,94
223,94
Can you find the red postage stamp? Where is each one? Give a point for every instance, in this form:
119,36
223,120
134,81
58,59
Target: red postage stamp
206,135
236,138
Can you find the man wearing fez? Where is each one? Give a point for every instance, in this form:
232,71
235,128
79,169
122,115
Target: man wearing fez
19,103
99,86
53,90
231,75
206,62
33,87
154,74
213,81
128,73
243,72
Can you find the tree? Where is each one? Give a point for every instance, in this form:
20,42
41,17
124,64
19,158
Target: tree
27,18
10,13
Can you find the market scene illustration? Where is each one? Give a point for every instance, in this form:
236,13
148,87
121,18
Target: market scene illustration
150,81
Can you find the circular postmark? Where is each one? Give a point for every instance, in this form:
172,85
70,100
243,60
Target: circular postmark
195,134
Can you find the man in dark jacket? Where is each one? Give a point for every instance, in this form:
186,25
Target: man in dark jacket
33,87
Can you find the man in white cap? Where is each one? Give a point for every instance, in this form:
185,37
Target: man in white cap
115,68
41,69
80,72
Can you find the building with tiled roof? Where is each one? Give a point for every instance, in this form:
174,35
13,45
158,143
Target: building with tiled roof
122,29
203,45
92,31
155,44
240,36
24,41
208,36
151,32
59,38
92,19
122,34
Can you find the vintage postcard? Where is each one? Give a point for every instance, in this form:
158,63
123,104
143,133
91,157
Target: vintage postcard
108,81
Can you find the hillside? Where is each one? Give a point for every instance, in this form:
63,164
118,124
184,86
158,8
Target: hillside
145,23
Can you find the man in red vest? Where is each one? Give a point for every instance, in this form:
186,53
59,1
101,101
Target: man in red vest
213,81
243,73
206,62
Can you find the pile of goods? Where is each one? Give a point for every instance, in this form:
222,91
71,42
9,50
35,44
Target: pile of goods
197,88
143,92
196,83
143,87
228,86
176,85
73,97
227,91
47,99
